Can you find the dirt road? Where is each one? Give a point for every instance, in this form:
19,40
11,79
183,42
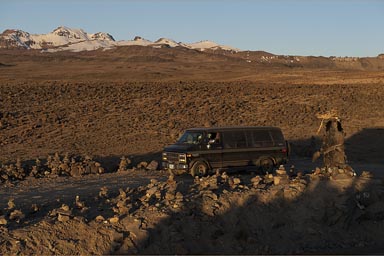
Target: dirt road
52,192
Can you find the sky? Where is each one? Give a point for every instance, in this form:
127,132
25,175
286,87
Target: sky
287,27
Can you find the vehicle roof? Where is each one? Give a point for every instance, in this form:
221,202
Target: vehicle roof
233,128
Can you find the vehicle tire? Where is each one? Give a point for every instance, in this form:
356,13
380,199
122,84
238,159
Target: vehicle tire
266,165
199,169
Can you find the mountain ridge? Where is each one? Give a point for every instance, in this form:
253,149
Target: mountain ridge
73,39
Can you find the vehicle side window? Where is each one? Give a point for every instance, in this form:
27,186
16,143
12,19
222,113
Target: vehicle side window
214,139
234,139
262,139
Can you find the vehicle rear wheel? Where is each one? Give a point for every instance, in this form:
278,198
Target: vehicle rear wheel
199,169
266,165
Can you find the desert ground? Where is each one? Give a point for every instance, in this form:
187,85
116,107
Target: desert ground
85,111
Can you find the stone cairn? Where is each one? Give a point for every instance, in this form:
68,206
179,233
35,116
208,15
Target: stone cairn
54,166
332,149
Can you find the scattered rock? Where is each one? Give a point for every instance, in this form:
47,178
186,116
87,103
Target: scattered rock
236,181
113,220
34,208
16,215
153,165
103,192
11,204
142,165
3,221
99,218
62,217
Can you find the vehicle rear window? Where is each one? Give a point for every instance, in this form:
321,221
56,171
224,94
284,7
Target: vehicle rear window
278,138
261,139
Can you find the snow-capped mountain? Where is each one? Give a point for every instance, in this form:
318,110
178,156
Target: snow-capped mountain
70,39
203,45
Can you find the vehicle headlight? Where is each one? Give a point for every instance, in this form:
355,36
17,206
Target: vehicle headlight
182,158
164,156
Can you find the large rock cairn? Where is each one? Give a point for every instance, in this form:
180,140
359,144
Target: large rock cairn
332,149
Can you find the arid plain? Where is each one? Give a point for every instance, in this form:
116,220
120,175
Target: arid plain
132,101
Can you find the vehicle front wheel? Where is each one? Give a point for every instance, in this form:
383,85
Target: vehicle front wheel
199,169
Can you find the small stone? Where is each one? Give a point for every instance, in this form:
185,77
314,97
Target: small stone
62,218
236,181
281,172
142,165
213,196
153,165
16,215
99,218
256,180
114,219
103,192
169,196
11,204
3,221
64,207
158,194
79,204
151,191
122,194
179,196
366,174
34,208
276,180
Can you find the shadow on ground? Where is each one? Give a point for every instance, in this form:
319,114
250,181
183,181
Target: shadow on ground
305,216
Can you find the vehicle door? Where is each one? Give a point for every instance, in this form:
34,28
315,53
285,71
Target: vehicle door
235,151
213,149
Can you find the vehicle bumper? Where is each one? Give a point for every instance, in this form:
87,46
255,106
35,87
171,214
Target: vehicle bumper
175,166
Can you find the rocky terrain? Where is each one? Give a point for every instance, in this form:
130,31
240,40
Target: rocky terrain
81,133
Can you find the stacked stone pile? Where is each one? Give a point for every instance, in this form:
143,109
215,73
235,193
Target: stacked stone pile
54,166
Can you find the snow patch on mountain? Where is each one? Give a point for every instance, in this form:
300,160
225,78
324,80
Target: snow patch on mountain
73,39
136,41
206,44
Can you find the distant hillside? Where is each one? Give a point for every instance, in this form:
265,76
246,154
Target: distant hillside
64,39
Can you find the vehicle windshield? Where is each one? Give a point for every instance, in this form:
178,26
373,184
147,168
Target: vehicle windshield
190,138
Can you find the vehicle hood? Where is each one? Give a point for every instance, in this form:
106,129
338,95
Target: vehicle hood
179,148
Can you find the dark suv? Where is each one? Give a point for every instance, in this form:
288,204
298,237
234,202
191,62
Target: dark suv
201,150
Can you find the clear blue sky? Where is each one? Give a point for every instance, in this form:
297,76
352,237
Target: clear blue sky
292,27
